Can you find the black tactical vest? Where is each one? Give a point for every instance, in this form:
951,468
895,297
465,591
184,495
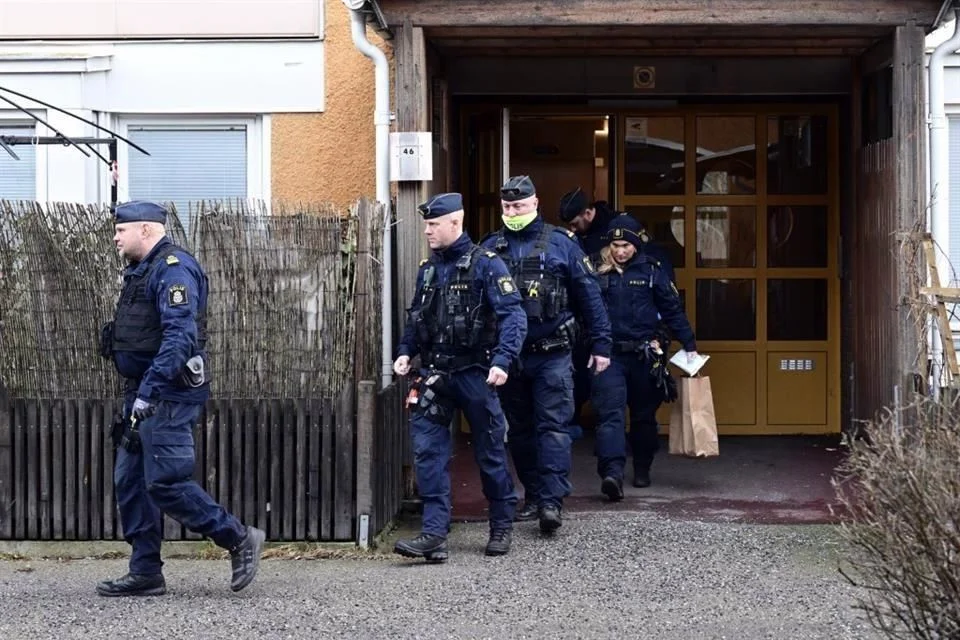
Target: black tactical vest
136,324
455,317
545,297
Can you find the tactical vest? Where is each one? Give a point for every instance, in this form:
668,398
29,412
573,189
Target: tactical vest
137,320
545,297
455,317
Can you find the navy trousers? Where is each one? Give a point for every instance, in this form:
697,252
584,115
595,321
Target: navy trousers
538,402
468,390
159,479
626,382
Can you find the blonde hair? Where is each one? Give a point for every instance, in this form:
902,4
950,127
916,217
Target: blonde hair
607,263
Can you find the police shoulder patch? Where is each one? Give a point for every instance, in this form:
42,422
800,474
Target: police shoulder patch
172,259
177,295
424,261
505,285
588,264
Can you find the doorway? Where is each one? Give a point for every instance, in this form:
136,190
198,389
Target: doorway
754,237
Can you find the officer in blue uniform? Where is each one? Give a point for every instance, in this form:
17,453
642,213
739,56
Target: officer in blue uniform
467,326
589,222
156,341
555,277
638,293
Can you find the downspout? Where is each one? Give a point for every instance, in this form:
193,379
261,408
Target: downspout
940,179
381,123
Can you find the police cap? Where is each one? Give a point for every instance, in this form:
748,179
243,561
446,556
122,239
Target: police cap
572,204
625,228
140,211
440,205
517,188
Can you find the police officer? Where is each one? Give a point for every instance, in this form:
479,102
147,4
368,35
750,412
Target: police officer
467,326
156,341
588,221
554,275
638,293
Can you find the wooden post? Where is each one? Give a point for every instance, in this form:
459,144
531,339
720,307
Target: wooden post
412,115
6,467
366,410
908,133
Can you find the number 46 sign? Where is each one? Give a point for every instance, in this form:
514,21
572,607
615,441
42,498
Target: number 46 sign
411,156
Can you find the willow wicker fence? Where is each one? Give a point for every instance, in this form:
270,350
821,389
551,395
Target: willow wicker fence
294,326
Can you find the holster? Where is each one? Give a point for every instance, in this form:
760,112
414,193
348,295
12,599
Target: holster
118,428
434,401
106,340
663,381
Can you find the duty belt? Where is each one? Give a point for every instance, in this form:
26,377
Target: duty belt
446,362
630,346
548,345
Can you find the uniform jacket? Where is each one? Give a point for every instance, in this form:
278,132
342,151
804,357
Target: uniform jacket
492,284
563,258
178,288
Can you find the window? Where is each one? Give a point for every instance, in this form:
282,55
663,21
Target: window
18,178
954,132
188,163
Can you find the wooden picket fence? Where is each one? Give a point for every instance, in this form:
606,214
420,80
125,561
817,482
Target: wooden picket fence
286,466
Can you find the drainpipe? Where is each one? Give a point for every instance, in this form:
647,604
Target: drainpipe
381,123
940,178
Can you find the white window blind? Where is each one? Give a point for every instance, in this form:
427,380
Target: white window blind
954,130
187,164
18,178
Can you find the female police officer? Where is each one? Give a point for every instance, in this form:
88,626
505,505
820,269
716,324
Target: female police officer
638,294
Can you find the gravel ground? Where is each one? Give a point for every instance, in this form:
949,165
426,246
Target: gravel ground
610,575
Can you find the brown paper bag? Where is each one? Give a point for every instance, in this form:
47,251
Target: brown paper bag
693,424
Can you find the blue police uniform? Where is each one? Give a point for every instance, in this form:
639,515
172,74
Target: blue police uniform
160,324
555,277
465,318
637,299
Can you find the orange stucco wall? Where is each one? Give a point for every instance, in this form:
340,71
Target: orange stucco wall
329,157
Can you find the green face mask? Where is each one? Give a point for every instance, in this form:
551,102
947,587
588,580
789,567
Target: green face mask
516,223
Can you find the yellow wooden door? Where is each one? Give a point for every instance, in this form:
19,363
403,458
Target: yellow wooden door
754,242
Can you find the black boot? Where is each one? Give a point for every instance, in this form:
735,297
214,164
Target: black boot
550,518
612,488
527,512
134,584
499,543
245,558
429,547
641,476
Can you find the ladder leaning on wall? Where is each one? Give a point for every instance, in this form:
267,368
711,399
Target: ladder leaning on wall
941,295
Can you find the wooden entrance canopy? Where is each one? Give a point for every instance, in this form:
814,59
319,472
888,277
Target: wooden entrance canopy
657,27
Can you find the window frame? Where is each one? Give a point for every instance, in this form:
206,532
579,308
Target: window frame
258,146
11,118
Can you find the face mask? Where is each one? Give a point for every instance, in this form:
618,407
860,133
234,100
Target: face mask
516,223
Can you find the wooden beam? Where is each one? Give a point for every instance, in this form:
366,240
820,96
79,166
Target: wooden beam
630,42
698,52
430,13
908,136
410,57
779,32
613,76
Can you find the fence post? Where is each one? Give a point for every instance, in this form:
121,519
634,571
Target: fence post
366,410
6,465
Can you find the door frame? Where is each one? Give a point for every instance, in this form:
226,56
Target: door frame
687,276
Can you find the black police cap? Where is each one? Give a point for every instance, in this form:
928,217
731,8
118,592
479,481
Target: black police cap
572,204
517,188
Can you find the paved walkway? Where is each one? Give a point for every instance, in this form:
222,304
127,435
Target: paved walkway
605,575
